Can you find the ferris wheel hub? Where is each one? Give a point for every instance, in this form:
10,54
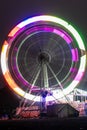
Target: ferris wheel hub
44,57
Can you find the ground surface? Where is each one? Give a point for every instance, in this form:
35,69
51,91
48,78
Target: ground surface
75,123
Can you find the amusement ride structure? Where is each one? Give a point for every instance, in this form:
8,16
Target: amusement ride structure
43,60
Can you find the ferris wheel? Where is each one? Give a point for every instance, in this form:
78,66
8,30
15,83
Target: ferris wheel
43,54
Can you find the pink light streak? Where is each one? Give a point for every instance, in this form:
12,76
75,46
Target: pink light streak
74,54
63,35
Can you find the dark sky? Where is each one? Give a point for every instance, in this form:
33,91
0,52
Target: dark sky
13,12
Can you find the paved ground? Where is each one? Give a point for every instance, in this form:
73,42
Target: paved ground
75,123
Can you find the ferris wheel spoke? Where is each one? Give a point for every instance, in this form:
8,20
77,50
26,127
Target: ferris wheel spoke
61,87
45,75
24,100
55,77
35,79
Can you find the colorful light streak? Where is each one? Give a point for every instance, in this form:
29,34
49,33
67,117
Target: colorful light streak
69,28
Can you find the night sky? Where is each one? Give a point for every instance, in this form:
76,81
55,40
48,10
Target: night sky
13,12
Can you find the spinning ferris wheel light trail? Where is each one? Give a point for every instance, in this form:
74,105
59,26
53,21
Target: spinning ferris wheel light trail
49,40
